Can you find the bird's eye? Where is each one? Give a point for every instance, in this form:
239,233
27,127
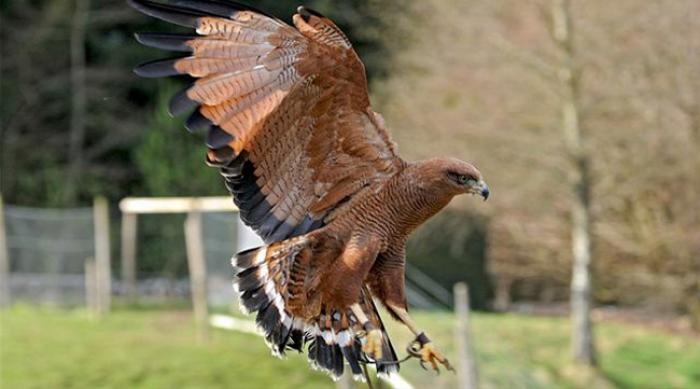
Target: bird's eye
463,179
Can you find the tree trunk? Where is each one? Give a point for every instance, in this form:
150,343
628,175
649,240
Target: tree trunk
78,103
569,76
582,336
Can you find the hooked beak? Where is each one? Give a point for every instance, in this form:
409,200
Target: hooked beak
480,188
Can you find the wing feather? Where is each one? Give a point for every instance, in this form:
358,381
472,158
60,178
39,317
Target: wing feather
165,41
290,124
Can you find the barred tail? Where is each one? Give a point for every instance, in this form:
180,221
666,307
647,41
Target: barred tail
271,281
264,283
336,335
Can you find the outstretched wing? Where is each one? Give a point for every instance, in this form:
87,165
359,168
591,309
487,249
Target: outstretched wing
287,111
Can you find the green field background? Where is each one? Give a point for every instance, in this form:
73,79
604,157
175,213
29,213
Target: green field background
157,349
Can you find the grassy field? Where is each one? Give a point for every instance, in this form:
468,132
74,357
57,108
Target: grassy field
49,349
46,348
516,351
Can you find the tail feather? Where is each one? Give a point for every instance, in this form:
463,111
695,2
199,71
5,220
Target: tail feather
261,281
249,259
338,362
296,336
267,319
350,353
250,279
332,337
314,339
340,338
251,301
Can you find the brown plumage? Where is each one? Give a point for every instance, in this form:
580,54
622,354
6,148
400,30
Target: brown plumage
313,170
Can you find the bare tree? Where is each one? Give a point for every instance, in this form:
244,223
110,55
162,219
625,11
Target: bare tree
580,181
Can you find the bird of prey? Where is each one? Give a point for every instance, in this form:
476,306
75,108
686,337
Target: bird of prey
314,172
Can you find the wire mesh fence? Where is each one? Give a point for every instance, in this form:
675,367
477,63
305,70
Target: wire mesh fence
221,240
167,279
47,250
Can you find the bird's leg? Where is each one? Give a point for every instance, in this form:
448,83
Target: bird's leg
373,344
425,349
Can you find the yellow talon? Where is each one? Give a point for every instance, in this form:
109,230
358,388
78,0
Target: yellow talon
423,348
373,345
429,353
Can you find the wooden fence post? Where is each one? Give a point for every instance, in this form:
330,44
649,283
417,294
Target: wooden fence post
103,266
91,288
129,229
198,273
466,365
5,292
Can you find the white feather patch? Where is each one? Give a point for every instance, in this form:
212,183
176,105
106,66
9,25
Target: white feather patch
287,320
242,308
299,324
344,338
279,303
387,375
329,337
270,290
260,256
262,273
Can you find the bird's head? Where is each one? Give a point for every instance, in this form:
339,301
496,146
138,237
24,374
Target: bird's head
456,177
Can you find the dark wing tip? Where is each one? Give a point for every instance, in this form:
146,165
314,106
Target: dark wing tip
165,41
172,14
181,103
307,13
158,68
217,138
225,9
196,121
304,13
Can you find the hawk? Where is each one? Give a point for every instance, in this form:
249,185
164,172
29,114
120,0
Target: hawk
314,172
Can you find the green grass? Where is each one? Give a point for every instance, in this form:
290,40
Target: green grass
145,348
516,351
51,349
